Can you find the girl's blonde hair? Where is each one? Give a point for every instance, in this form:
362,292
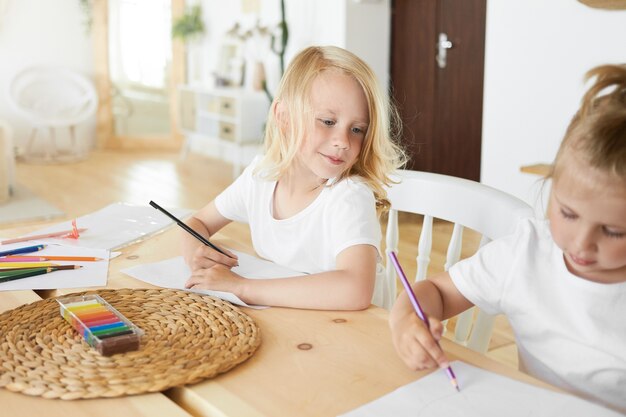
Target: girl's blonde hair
598,130
379,155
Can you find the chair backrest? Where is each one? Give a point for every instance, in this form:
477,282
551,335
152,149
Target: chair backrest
490,212
53,97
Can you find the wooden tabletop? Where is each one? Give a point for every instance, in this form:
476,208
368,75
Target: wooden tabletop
310,363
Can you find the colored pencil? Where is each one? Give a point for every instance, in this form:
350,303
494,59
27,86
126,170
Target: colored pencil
26,274
17,271
188,229
25,249
24,268
17,258
418,309
25,265
42,236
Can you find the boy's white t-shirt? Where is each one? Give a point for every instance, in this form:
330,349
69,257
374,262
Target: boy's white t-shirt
570,332
342,215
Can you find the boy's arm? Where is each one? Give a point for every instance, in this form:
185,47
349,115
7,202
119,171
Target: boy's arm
349,287
414,342
206,222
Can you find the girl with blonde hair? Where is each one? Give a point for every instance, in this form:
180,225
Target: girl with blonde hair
561,282
311,200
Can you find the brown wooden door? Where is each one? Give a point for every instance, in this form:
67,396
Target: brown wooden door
441,108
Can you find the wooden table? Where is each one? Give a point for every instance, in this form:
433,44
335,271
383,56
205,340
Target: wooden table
310,363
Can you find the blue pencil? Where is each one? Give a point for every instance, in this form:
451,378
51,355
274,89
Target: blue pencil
418,308
25,249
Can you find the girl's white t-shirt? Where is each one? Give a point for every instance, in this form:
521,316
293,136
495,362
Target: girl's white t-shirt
342,215
570,332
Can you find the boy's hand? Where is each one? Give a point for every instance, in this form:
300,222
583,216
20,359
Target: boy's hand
416,345
206,257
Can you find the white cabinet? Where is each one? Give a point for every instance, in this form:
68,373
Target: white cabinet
226,123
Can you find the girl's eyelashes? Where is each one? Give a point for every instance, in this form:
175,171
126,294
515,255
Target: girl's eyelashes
605,229
612,233
568,215
357,130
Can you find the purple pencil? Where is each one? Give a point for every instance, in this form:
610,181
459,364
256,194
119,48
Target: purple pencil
418,308
21,259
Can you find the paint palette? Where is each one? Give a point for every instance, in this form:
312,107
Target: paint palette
101,326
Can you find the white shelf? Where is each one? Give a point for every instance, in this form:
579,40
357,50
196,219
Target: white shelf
226,123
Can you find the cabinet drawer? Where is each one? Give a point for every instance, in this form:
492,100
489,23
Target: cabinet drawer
227,106
213,104
227,131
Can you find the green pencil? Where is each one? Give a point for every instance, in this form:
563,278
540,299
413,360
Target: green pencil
11,271
28,268
13,275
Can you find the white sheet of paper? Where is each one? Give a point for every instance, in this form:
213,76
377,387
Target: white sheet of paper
483,394
173,273
115,226
92,274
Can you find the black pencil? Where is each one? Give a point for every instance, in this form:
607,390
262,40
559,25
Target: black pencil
188,229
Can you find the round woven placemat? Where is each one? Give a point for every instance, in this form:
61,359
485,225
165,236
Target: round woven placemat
188,337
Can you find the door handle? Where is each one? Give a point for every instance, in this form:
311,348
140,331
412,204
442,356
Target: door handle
442,50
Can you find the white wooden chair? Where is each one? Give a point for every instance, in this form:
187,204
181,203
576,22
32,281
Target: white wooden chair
50,98
488,211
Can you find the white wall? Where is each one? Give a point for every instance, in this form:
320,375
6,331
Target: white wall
368,34
34,32
536,55
361,27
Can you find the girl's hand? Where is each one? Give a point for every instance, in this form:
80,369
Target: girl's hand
218,278
206,257
416,345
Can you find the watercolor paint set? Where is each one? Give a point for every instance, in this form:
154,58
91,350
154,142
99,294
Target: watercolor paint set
101,326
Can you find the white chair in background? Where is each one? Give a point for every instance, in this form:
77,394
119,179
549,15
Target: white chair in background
490,212
51,98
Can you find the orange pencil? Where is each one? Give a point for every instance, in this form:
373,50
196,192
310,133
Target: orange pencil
57,258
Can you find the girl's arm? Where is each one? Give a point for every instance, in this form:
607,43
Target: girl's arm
414,342
349,287
206,222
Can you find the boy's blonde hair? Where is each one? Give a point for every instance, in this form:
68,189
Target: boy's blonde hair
598,130
379,155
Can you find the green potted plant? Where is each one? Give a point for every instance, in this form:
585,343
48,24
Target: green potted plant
189,28
190,25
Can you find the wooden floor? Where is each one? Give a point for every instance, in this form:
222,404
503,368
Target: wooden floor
137,177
